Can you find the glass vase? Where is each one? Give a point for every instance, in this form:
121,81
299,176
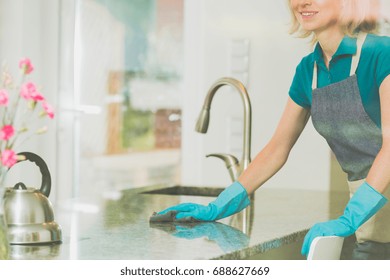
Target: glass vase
4,244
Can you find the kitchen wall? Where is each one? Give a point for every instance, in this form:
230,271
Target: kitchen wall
273,55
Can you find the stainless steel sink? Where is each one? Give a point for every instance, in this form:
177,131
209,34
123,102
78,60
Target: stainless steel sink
186,190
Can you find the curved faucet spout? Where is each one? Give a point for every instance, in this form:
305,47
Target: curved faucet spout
204,117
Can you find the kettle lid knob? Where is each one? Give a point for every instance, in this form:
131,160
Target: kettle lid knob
20,186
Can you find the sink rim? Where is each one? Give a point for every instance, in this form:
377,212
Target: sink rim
186,190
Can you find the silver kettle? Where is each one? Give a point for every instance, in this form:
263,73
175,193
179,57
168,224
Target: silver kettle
28,211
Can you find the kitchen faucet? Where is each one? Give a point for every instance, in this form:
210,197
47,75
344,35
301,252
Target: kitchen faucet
244,219
234,166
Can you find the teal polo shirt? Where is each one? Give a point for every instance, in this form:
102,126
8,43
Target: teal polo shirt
373,68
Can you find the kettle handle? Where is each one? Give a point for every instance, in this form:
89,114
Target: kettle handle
46,178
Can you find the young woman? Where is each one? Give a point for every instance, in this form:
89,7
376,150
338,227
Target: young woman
344,86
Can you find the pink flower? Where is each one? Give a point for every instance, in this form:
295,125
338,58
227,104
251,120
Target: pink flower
48,109
29,91
26,66
7,132
3,97
8,158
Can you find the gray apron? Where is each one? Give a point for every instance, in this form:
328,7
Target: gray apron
338,115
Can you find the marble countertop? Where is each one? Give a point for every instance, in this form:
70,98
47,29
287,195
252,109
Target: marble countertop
117,227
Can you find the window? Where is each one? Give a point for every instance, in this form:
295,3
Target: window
127,92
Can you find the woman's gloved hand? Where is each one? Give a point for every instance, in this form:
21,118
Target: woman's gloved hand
232,200
363,205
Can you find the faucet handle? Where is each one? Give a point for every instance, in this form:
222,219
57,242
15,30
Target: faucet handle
231,163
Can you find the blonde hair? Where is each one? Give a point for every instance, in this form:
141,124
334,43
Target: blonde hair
357,15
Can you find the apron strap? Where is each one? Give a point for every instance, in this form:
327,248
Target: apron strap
355,59
314,83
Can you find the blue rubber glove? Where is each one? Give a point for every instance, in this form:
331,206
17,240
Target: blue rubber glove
232,200
363,205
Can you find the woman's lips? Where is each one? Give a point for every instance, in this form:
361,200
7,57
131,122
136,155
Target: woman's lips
308,14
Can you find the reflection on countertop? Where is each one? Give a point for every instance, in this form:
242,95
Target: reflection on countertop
118,227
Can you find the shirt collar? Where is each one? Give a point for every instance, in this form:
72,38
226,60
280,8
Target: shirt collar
346,47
